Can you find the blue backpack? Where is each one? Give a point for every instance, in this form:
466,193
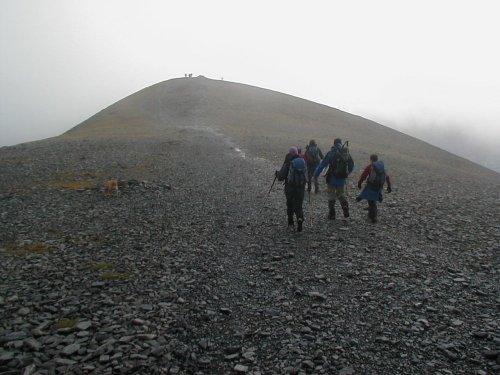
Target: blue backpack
297,173
376,178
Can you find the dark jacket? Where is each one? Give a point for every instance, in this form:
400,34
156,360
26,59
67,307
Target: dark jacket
283,172
312,163
331,180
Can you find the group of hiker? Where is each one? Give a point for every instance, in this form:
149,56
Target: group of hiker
301,169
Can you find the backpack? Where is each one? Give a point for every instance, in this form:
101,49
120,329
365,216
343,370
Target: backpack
297,172
376,178
339,164
312,155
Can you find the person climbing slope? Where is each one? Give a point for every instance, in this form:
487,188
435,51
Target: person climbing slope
375,176
340,165
293,172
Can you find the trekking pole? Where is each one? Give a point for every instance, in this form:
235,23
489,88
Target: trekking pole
269,192
310,207
275,177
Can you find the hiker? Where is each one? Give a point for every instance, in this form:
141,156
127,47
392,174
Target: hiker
340,165
375,176
299,152
313,156
293,172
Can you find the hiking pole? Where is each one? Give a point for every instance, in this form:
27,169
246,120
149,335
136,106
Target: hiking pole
310,207
269,192
275,177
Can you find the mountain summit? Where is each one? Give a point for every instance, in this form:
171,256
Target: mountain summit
256,118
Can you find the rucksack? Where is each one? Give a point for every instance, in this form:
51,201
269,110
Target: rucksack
376,178
339,164
297,172
312,155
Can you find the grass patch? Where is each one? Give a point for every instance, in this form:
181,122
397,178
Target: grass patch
36,248
100,266
71,185
107,272
73,180
112,275
65,323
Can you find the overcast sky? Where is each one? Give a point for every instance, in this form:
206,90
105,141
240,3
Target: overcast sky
416,66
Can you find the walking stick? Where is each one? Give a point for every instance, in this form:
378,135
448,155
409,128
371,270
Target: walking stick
269,192
310,207
275,177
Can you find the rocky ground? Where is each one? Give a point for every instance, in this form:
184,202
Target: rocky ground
190,269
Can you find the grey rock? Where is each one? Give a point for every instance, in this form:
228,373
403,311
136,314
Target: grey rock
83,326
70,349
240,368
32,344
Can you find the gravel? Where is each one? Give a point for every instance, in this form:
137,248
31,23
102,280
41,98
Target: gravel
190,269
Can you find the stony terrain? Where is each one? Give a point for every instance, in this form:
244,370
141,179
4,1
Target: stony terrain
190,268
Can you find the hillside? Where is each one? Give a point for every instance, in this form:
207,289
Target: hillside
190,268
253,116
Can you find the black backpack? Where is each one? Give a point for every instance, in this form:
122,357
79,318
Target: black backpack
312,155
339,164
297,172
376,178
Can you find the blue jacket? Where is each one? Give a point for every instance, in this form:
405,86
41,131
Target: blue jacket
326,162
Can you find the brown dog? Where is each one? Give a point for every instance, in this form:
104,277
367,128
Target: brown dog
111,185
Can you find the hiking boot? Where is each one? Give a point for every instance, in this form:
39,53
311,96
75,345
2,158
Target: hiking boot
299,224
374,220
316,190
345,209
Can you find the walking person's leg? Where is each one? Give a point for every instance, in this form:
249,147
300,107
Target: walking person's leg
372,211
331,201
298,203
309,178
340,190
289,205
316,186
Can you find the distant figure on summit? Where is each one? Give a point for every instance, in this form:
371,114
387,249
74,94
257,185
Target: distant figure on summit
340,165
313,156
375,176
293,172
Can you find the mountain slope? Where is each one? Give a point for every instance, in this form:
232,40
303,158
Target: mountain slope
264,122
191,269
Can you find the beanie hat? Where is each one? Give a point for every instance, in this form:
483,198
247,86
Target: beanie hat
293,150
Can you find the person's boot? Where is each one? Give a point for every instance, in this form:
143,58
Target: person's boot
345,208
300,220
372,211
316,189
290,222
331,210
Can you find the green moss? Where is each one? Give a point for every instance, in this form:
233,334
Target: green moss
65,323
99,266
112,275
36,248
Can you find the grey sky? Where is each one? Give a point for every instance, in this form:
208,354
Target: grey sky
413,65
